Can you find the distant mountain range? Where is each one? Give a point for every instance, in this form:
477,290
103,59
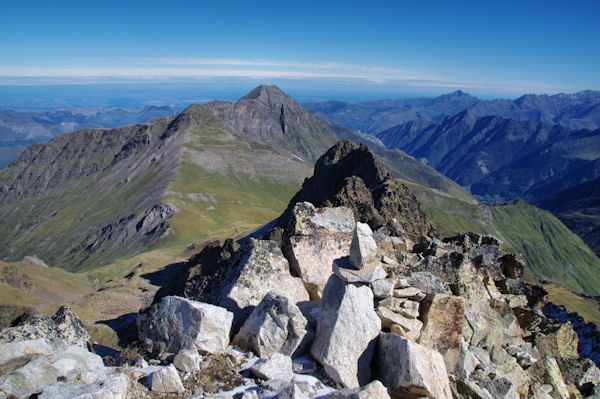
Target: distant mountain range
499,159
577,111
19,129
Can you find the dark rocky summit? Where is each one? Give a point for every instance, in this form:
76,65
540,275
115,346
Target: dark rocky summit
349,175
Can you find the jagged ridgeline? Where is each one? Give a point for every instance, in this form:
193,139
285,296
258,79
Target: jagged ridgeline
89,197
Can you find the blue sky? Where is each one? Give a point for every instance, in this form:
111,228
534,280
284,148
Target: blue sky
487,48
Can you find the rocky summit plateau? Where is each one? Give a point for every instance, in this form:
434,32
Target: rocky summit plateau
352,293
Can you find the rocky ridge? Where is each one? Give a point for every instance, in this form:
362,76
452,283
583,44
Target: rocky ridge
394,315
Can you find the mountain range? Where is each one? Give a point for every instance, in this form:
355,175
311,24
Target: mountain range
89,198
19,129
499,159
577,111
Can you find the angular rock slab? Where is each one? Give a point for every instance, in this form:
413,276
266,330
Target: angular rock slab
262,269
411,370
363,249
367,274
277,367
275,325
347,329
166,380
178,323
320,236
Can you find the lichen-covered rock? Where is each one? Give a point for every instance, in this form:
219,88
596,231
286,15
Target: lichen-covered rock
178,323
275,325
408,369
443,318
320,236
63,327
347,329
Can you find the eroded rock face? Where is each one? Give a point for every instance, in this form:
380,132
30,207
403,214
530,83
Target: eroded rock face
344,175
410,370
178,323
275,326
347,328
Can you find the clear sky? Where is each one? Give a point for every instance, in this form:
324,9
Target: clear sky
488,48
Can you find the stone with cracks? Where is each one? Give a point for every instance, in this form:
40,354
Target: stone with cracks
402,306
276,367
262,269
443,318
178,323
320,236
363,249
374,390
275,325
347,329
14,355
114,387
166,380
410,370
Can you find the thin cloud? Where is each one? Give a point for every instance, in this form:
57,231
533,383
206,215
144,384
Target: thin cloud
150,70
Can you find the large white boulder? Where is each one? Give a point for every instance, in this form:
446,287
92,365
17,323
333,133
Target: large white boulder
275,325
408,369
178,323
347,329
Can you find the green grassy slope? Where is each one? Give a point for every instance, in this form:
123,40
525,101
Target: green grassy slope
553,253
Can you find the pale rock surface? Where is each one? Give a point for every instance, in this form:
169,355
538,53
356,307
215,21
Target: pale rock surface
275,325
402,306
368,273
363,249
408,369
166,380
178,323
113,387
347,329
187,360
16,354
276,367
383,288
373,390
406,292
262,269
321,235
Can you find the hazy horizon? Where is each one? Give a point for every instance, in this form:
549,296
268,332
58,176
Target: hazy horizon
55,54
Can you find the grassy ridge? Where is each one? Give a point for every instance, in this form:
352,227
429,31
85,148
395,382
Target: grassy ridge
553,253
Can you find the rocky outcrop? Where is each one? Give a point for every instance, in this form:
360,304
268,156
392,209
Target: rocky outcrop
349,175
